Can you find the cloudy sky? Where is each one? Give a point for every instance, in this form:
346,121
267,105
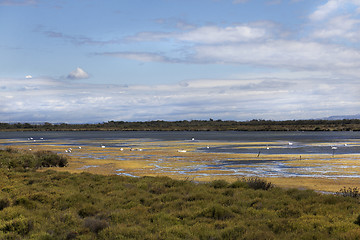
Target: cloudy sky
80,61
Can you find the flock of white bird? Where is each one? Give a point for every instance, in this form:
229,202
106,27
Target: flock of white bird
69,150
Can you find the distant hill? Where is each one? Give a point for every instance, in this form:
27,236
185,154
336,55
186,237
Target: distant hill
341,117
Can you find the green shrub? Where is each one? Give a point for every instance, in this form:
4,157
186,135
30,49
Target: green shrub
349,192
217,212
11,150
25,202
88,211
71,235
51,159
357,221
4,202
233,233
15,159
257,183
238,184
20,226
219,184
95,225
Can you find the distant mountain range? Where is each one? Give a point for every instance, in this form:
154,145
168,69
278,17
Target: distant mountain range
356,116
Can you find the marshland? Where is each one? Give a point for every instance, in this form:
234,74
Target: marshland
179,185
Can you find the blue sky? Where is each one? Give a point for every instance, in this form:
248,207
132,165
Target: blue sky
83,61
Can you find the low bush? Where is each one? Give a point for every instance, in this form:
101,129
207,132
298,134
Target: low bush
24,160
349,192
21,226
219,184
88,211
257,183
51,159
95,225
217,212
4,202
238,184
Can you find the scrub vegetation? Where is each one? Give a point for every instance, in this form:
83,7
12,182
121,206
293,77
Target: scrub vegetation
59,205
195,125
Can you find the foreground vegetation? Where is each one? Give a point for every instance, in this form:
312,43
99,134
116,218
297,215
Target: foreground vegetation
196,125
59,205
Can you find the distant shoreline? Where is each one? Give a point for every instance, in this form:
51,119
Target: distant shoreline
194,125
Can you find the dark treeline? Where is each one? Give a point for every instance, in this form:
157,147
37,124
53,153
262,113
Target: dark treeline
194,125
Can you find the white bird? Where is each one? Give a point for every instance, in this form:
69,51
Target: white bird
290,143
79,147
333,147
193,139
102,146
182,151
121,149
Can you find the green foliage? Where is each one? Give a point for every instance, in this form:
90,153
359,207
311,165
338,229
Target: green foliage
349,192
15,159
88,211
196,125
257,183
50,159
20,226
217,212
60,205
95,225
219,184
4,202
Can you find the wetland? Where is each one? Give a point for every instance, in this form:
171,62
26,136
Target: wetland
323,161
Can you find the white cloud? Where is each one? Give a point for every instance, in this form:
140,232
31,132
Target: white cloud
138,56
283,54
17,2
78,73
261,96
214,34
239,1
149,36
343,27
325,10
209,34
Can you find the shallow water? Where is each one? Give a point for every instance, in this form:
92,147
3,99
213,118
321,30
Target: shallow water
260,145
301,142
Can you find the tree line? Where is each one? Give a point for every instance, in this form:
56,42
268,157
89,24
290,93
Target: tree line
193,125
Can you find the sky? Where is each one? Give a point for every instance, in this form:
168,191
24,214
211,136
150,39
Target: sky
90,61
